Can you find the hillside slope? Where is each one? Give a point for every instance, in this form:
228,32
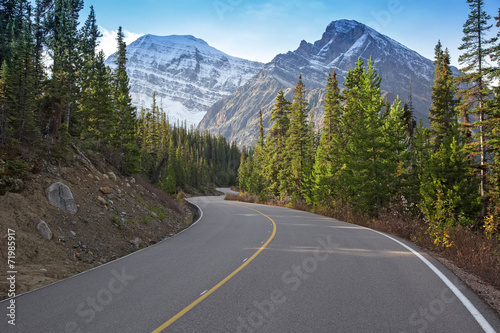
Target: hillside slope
116,215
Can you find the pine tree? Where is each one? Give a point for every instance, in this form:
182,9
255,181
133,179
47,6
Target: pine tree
298,154
327,162
492,221
363,177
95,111
448,194
18,75
260,141
474,66
276,169
124,137
442,114
396,142
64,36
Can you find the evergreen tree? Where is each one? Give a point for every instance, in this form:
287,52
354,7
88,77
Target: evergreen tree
448,194
20,81
443,113
492,222
276,169
327,162
397,158
62,23
364,158
298,154
124,137
474,66
260,141
95,111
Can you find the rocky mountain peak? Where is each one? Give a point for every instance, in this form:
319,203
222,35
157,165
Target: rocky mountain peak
187,74
340,46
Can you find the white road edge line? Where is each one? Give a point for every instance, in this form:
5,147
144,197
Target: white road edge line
465,301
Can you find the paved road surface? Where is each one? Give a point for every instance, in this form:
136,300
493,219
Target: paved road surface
252,268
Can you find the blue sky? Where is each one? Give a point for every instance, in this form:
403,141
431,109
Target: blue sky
260,29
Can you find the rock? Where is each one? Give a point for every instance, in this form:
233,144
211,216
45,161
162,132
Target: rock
17,185
112,176
72,232
132,180
105,190
60,195
44,230
136,242
102,200
2,167
105,176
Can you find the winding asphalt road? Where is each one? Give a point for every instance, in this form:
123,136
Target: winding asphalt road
253,268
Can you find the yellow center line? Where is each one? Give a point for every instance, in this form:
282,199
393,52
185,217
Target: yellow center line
227,278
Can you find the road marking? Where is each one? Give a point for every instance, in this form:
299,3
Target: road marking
465,301
227,278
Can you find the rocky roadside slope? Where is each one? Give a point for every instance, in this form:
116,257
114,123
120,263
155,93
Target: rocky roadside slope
115,215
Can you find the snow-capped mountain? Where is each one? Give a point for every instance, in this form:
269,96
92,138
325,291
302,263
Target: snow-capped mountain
187,74
236,116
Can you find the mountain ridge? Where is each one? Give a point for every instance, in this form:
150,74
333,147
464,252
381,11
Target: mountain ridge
341,44
186,73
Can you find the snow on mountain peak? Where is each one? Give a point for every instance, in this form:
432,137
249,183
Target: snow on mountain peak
187,74
342,26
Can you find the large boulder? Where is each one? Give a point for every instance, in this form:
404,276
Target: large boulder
60,196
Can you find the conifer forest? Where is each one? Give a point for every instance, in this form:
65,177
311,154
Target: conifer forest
372,156
56,92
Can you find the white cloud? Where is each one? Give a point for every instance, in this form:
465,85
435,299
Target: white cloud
108,40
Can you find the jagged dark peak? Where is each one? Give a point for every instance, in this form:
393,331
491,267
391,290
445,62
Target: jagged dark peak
344,26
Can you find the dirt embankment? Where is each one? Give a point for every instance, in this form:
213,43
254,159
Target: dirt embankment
116,215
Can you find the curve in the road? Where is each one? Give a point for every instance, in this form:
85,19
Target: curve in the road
227,278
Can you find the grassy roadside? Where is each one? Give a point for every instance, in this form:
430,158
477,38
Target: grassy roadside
471,250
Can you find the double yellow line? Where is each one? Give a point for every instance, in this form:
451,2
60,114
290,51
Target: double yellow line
218,285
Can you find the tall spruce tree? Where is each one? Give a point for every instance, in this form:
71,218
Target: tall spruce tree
62,23
442,114
492,222
96,114
475,47
298,154
276,172
19,93
449,196
363,177
124,137
327,162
